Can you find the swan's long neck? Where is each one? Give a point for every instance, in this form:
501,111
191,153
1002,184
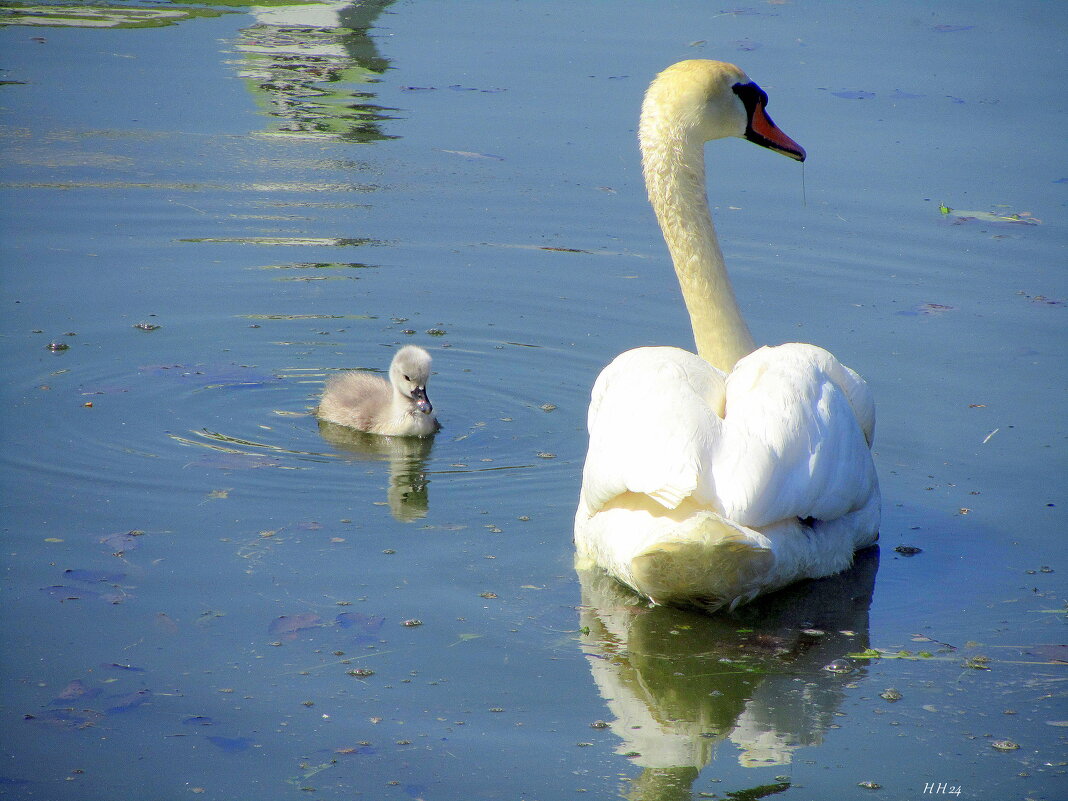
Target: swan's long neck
674,167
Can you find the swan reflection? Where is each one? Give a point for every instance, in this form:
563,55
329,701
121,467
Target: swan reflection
310,66
407,494
680,683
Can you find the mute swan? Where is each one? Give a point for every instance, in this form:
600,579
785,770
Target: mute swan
367,402
715,477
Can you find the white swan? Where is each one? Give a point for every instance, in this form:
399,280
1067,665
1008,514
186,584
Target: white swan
367,402
713,478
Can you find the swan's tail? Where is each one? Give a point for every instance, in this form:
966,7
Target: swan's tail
709,562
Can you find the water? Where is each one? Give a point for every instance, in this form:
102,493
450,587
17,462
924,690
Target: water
197,578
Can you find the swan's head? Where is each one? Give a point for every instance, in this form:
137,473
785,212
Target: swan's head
408,372
699,100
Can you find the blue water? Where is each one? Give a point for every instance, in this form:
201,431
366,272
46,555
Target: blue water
196,578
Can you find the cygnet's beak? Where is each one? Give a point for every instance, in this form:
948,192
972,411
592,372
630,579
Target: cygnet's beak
422,402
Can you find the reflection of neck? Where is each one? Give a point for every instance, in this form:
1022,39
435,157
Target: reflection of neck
674,167
664,784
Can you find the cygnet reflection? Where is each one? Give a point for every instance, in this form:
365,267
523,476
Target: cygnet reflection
408,457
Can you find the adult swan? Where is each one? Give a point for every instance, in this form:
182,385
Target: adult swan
715,477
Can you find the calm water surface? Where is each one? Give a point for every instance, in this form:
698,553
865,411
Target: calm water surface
207,595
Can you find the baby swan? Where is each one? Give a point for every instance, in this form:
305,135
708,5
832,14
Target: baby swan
367,402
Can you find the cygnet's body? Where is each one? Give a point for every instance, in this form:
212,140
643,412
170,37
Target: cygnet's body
367,402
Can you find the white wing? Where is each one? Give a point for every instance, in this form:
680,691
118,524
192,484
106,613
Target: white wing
796,438
652,422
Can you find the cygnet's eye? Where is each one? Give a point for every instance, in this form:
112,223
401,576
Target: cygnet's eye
406,378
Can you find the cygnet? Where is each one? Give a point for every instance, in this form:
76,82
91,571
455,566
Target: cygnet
369,403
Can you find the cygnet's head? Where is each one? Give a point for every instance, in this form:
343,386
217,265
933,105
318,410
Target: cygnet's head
409,372
701,100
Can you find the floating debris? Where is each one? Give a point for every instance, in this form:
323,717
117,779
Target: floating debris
147,327
1019,218
361,673
908,550
869,785
977,662
58,346
436,332
1004,745
891,694
412,622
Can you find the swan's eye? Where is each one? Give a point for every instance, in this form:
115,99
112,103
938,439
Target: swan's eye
751,96
406,378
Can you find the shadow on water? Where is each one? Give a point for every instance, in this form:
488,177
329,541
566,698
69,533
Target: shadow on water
768,677
408,494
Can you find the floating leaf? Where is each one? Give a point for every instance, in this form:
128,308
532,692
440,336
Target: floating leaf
77,689
289,626
122,542
867,653
206,618
355,749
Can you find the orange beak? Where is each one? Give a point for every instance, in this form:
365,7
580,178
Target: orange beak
760,129
767,134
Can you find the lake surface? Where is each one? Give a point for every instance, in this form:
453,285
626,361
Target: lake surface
214,207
